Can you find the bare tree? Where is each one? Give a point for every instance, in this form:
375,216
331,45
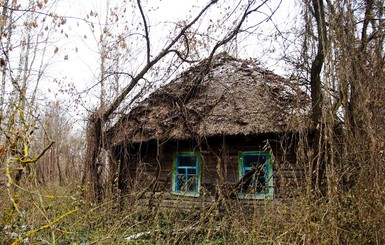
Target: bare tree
344,43
25,34
61,164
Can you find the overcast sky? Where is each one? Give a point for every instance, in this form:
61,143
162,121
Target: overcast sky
78,57
83,53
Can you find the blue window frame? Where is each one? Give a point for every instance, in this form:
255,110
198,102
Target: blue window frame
256,175
186,179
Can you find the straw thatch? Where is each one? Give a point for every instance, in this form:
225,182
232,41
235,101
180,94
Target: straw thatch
232,97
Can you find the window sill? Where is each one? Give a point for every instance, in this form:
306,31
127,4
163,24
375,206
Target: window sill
255,196
186,194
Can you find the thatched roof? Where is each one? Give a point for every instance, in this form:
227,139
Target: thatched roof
233,97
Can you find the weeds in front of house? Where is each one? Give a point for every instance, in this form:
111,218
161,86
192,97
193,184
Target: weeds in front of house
356,218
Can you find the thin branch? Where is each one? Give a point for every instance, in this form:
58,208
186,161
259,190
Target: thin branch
44,227
150,64
50,15
105,78
180,56
368,13
234,32
225,40
35,159
146,31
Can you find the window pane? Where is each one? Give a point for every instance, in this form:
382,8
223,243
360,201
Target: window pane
261,184
181,182
191,183
186,182
181,171
254,173
248,181
186,161
253,159
191,171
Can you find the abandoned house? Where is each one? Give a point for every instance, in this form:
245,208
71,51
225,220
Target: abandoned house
226,128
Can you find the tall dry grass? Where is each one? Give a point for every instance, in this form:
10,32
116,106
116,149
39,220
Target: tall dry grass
356,217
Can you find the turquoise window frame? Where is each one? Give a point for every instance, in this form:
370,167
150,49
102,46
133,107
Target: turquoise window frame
177,167
242,169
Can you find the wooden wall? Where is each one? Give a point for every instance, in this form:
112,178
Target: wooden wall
149,162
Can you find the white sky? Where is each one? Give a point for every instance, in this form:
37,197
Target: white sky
82,66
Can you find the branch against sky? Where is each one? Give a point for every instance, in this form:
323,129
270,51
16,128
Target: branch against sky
151,63
246,8
134,33
147,35
130,43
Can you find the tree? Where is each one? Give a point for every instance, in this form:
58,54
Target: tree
318,165
62,163
25,33
349,39
344,43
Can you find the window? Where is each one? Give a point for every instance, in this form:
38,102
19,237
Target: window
186,179
255,175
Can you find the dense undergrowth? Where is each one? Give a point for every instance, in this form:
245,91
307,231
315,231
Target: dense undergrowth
355,218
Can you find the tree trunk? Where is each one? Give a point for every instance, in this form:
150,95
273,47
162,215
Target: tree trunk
92,164
318,164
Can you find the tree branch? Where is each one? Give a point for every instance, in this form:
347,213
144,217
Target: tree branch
104,115
147,36
35,159
225,40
